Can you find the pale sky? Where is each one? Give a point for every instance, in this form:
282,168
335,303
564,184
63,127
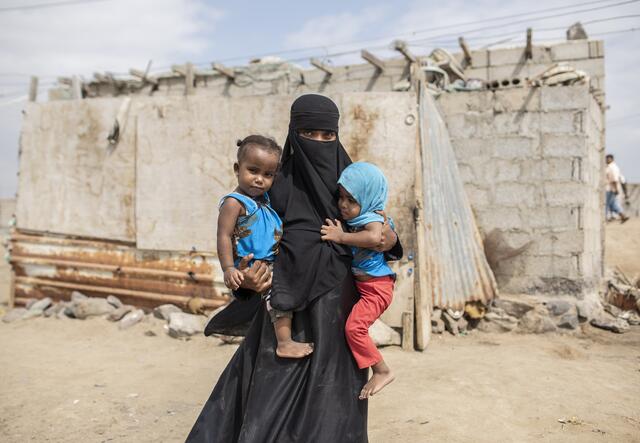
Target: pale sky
84,36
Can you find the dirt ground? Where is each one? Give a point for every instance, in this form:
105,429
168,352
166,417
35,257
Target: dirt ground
86,381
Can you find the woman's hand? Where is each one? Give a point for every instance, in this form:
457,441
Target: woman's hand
257,278
389,237
332,231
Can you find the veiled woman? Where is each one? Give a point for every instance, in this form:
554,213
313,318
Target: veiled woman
263,398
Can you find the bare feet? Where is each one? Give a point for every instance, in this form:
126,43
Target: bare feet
375,384
293,349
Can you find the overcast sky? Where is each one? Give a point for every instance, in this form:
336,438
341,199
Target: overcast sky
87,36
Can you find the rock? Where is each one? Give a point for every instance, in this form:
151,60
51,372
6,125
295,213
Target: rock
462,324
78,296
32,313
114,301
557,307
436,314
536,322
497,320
384,335
512,307
131,318
30,302
633,318
609,323
14,314
184,325
52,310
120,312
613,310
164,311
90,307
41,304
450,323
568,321
588,309
437,326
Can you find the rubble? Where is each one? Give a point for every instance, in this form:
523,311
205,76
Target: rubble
384,335
91,306
512,307
114,301
497,320
610,323
164,311
536,321
120,312
131,318
184,325
14,314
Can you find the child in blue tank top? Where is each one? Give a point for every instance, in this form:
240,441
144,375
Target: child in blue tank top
363,195
248,225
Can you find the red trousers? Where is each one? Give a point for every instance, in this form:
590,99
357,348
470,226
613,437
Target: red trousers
375,297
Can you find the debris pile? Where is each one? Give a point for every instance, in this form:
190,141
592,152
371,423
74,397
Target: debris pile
178,324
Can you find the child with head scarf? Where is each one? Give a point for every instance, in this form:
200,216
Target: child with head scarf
363,195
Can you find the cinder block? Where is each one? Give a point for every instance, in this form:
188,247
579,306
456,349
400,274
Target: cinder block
460,102
596,49
466,148
507,72
554,145
521,123
551,218
561,122
566,244
548,266
498,170
478,197
559,169
572,50
558,98
506,56
469,124
515,147
592,66
562,194
466,173
515,195
481,73
479,58
516,99
498,218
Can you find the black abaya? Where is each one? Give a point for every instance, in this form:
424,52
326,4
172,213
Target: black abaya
262,398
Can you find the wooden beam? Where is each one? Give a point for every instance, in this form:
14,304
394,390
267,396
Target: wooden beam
143,76
76,88
528,52
465,50
179,69
375,61
321,66
401,47
222,69
407,331
33,89
189,79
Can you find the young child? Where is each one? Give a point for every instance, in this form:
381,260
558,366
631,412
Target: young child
363,191
248,226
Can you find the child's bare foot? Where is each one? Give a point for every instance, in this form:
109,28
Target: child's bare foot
293,349
378,380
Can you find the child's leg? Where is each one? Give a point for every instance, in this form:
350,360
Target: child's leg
287,348
375,297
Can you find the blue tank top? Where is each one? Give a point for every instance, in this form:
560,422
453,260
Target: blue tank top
258,232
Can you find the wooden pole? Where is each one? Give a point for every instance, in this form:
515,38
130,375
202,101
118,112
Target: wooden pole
422,294
407,331
528,52
76,87
321,66
143,76
401,47
189,79
227,72
465,50
33,89
370,58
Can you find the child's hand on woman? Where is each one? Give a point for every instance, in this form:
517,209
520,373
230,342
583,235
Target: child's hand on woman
332,231
233,278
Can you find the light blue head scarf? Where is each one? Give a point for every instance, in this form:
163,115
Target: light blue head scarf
368,186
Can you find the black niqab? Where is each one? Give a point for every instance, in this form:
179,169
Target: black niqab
304,195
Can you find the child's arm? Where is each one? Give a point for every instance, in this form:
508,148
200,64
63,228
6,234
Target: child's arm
368,238
227,217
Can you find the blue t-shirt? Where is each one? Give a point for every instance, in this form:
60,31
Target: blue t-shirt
368,262
258,232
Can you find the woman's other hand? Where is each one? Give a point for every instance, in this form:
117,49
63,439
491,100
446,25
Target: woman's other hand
257,278
389,237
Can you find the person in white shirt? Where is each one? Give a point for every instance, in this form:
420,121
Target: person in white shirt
613,187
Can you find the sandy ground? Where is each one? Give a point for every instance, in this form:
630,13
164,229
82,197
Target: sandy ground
86,381
622,247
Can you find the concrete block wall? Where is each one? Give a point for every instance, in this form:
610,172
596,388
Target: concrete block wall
531,160
508,63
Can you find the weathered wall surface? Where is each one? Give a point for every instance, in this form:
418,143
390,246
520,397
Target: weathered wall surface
7,209
531,160
70,181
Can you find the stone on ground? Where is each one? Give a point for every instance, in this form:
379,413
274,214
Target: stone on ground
14,314
164,311
91,307
120,312
114,301
131,318
537,322
182,324
384,335
497,320
514,308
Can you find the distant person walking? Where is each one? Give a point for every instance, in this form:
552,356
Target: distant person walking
613,187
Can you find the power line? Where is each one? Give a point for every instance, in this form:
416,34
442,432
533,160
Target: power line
48,5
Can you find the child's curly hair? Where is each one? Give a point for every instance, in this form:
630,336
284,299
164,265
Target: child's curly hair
260,141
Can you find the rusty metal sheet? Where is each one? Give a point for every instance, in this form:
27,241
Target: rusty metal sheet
71,180
458,271
55,266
